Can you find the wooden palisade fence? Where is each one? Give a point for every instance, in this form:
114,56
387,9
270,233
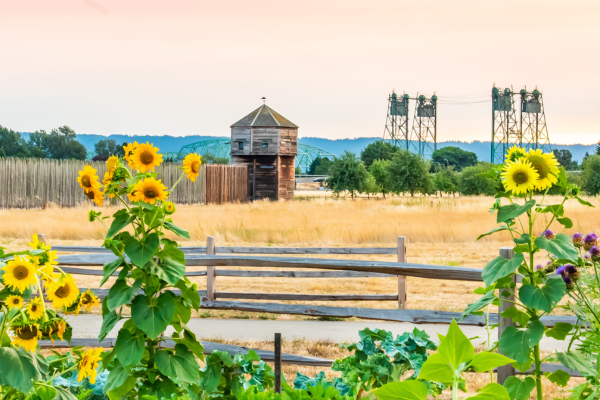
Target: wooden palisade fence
213,257
37,183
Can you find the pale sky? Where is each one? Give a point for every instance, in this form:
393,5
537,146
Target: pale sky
175,67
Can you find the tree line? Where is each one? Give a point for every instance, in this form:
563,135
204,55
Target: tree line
385,169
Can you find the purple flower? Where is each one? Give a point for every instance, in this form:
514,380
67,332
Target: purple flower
567,280
560,270
549,262
538,267
570,269
586,256
577,236
548,234
595,251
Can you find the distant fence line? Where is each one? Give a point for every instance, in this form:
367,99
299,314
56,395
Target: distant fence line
34,183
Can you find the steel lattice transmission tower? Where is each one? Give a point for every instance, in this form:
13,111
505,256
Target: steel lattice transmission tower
396,123
533,121
424,126
505,129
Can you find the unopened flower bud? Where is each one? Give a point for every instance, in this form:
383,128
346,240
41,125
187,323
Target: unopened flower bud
548,234
577,239
590,240
561,270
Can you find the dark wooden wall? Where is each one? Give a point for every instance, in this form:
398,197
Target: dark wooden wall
226,184
288,141
287,177
240,134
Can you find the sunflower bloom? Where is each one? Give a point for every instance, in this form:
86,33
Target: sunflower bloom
191,166
35,309
149,190
88,300
97,196
519,176
145,157
546,166
36,244
19,274
62,293
88,179
514,153
46,269
88,365
14,301
57,327
26,336
169,208
129,149
111,164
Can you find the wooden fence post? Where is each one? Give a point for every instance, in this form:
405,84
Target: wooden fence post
210,271
42,239
507,370
277,356
401,278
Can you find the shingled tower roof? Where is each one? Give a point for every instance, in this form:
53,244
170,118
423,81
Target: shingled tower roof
265,116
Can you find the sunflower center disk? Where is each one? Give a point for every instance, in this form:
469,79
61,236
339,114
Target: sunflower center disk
520,177
27,332
147,157
21,272
86,299
63,291
195,166
86,181
150,194
90,195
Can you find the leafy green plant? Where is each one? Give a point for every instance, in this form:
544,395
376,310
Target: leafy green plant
304,382
541,291
455,355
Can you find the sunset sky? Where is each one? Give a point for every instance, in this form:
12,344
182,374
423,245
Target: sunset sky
194,67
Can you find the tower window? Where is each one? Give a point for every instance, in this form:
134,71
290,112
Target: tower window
240,145
265,146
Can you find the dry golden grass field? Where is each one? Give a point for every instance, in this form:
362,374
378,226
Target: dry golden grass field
439,230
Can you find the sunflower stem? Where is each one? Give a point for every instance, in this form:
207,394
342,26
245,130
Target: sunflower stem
176,183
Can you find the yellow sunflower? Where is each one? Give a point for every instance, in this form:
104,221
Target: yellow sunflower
14,301
50,260
62,293
35,309
97,196
19,273
36,244
169,208
546,166
149,190
132,196
519,176
191,166
26,336
129,149
111,164
88,180
88,365
514,153
57,328
88,300
146,157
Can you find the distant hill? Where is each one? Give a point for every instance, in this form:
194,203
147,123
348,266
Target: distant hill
337,147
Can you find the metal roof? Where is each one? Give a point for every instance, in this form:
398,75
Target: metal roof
265,116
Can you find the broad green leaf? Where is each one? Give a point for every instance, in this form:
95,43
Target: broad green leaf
560,377
516,315
517,343
189,293
183,313
176,229
486,361
561,246
63,394
583,202
173,253
211,375
121,293
117,376
19,368
566,222
483,301
500,267
140,253
556,209
491,391
519,389
190,341
129,348
524,239
560,331
169,270
456,347
406,390
122,219
178,365
544,298
577,361
109,321
153,318
436,369
497,229
110,268
512,211
45,393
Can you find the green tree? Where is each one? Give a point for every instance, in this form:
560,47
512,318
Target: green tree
324,167
371,186
347,173
590,175
409,172
565,159
472,183
598,149
446,180
38,144
209,158
108,147
378,150
12,144
379,170
454,156
61,144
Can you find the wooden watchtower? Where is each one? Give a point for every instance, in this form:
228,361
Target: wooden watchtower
267,143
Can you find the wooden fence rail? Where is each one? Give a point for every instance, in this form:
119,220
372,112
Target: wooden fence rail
328,268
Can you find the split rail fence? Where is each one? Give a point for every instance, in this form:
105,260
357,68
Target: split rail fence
213,257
